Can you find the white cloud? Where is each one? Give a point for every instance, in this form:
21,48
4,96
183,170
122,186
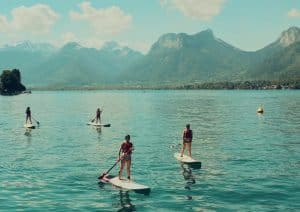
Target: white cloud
197,9
91,42
3,24
68,37
140,46
294,13
37,19
110,20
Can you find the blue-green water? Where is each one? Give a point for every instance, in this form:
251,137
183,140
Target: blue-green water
249,161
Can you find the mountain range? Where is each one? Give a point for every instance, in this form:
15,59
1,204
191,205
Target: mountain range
173,58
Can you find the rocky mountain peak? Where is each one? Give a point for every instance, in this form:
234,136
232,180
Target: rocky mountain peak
290,36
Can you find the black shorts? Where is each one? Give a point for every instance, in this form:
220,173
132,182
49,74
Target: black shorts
187,140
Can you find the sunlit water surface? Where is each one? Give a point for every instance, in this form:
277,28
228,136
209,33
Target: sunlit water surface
249,161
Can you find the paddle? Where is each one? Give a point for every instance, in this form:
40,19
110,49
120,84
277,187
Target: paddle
175,146
105,173
92,120
38,123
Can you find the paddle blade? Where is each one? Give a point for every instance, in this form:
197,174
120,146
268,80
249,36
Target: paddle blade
101,176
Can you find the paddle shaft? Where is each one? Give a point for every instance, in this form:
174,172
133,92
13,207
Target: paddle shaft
113,166
109,169
35,120
92,120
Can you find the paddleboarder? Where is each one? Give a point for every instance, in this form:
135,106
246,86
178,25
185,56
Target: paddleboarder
28,115
125,156
98,116
187,138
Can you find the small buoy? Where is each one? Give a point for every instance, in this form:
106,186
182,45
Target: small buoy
260,110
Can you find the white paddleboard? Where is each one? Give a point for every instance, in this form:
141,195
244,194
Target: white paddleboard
187,160
98,124
126,184
30,126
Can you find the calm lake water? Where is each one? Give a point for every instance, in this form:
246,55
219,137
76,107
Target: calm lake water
249,161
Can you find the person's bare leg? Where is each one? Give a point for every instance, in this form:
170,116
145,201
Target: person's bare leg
183,148
128,164
189,148
121,168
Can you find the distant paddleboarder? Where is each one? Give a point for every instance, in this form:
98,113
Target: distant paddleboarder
28,115
260,110
98,116
187,138
125,156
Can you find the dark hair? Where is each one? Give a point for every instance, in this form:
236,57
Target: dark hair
187,126
127,137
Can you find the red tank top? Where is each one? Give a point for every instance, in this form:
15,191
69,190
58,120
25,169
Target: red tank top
188,134
126,147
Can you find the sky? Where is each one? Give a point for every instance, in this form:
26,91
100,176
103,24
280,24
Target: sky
245,24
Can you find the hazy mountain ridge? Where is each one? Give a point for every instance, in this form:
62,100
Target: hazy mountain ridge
204,58
71,64
178,58
284,64
199,57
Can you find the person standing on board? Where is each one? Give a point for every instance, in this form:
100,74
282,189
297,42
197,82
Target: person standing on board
187,138
125,156
28,115
98,116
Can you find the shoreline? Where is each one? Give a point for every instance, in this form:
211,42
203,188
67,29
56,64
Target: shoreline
240,85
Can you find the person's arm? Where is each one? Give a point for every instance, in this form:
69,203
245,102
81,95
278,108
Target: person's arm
120,151
191,134
183,135
131,149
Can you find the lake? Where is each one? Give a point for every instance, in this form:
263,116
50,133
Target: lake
250,162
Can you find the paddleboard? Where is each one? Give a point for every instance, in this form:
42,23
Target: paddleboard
126,184
30,126
187,160
98,124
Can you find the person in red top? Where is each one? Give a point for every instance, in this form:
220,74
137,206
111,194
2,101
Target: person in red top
187,138
125,156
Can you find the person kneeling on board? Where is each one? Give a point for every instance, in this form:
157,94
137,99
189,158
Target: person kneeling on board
187,138
125,156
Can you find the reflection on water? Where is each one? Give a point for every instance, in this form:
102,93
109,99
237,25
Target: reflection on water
98,130
28,133
125,202
189,178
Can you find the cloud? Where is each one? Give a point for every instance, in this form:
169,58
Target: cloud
4,26
68,37
91,42
294,13
37,19
141,46
109,21
203,10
